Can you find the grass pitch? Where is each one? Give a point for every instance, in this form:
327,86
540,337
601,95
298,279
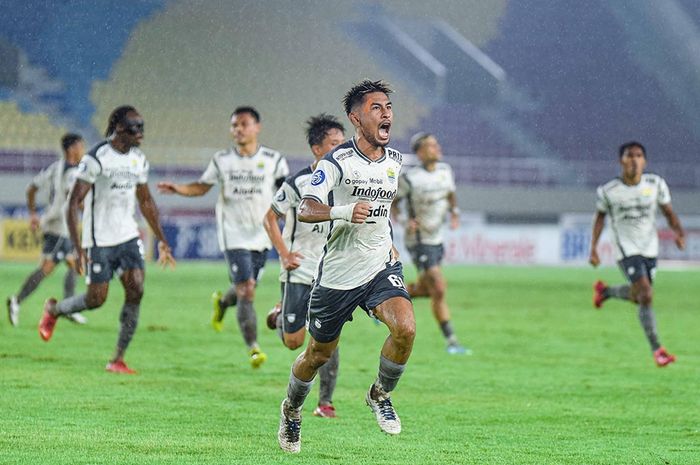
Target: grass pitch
551,381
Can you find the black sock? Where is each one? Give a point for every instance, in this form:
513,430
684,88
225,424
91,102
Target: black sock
69,283
618,292
129,319
646,318
247,322
30,284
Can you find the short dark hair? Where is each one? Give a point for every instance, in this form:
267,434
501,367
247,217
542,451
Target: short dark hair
318,126
117,116
69,139
247,109
629,145
418,139
357,93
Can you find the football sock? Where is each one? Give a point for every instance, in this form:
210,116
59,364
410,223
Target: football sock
447,331
30,284
247,322
328,374
646,317
389,374
280,326
297,390
229,299
619,292
69,283
129,318
71,305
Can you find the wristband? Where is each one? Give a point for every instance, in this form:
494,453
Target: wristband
343,212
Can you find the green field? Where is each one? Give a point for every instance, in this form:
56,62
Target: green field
551,381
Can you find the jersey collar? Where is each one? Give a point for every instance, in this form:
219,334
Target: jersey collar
365,157
235,151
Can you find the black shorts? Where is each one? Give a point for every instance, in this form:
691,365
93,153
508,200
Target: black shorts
426,256
103,262
57,248
636,267
245,264
329,309
295,306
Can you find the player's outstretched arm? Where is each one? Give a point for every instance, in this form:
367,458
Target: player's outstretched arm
149,209
193,189
78,193
598,225
675,224
290,260
313,211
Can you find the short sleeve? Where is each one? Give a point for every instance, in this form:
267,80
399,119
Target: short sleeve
285,199
601,203
88,169
403,188
451,179
282,168
43,179
664,196
143,176
211,175
326,176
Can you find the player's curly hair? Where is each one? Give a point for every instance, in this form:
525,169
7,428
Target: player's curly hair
117,116
318,126
357,93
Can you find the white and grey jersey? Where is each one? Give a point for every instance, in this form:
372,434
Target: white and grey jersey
355,253
109,214
247,185
305,238
632,211
58,179
426,194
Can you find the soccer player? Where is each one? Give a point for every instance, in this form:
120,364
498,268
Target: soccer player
300,246
353,187
429,193
111,177
58,179
631,201
248,176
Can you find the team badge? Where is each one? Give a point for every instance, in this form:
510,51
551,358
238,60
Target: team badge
646,192
291,318
318,177
261,165
391,175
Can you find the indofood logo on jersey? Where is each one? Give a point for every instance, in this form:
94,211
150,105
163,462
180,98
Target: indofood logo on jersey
318,177
373,193
391,174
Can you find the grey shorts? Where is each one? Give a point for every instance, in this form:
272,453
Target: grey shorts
295,306
329,309
636,267
57,248
103,262
244,264
426,256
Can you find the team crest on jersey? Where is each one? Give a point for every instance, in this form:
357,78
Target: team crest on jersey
134,162
647,191
261,165
391,175
318,177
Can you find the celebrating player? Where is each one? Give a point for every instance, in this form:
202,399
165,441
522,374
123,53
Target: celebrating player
429,192
111,176
248,176
631,201
353,187
58,179
300,246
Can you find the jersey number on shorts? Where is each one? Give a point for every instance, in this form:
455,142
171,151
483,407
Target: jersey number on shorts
396,281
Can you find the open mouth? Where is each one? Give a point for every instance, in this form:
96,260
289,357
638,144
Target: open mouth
384,129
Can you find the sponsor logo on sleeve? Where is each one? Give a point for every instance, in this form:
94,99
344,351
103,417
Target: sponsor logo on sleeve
281,195
318,177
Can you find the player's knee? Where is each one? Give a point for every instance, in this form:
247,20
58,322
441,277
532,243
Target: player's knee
645,295
293,341
438,290
246,290
134,292
404,332
95,299
317,358
47,267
